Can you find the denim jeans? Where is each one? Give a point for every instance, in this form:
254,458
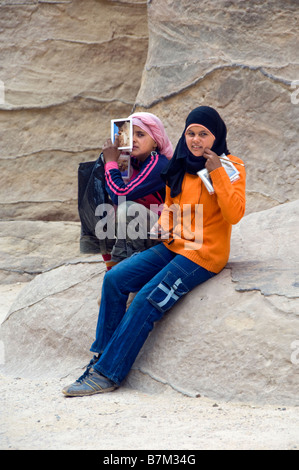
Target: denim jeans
161,279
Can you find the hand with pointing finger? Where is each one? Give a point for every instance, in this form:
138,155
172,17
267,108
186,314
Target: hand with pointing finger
110,150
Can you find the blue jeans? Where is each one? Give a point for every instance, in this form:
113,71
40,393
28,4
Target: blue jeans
162,278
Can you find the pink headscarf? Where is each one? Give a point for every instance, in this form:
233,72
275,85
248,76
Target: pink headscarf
154,127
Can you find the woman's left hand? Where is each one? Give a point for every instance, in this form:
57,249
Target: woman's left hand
110,150
213,161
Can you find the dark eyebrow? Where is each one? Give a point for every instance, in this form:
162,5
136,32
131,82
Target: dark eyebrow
202,130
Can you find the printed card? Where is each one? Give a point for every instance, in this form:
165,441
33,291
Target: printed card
124,129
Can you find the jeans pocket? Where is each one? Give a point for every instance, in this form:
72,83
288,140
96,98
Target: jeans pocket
167,293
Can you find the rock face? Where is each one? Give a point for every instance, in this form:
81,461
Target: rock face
48,311
29,248
67,68
234,337
229,339
66,71
241,58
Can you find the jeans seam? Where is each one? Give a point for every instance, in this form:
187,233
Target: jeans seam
181,269
161,256
137,275
190,273
127,282
187,273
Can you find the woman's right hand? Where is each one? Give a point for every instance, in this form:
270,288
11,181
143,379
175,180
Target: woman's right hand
158,232
110,150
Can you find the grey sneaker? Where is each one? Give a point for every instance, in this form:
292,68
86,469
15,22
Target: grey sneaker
90,383
93,361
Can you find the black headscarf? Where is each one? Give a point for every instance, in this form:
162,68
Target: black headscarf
183,160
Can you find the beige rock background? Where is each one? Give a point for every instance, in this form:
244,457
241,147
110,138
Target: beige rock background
240,57
66,69
213,344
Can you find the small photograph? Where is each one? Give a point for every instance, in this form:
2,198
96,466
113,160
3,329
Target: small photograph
205,177
124,165
230,169
124,129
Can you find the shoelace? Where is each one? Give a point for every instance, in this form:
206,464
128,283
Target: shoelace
88,367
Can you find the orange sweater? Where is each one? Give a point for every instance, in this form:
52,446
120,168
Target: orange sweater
211,217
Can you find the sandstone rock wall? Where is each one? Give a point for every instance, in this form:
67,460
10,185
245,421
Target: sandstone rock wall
67,68
242,58
234,338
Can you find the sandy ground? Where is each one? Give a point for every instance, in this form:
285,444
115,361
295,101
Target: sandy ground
36,416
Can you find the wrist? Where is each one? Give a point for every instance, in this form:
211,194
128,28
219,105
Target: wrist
113,165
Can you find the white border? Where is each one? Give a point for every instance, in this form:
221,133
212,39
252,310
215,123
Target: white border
113,121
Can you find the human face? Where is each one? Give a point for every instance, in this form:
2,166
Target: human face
199,138
143,144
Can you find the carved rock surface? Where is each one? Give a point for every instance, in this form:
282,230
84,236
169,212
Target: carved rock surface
67,69
232,338
242,59
28,248
55,316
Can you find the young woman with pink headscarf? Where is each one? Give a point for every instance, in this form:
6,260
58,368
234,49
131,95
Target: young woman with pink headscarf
150,154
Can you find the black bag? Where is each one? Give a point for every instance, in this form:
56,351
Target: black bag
91,193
